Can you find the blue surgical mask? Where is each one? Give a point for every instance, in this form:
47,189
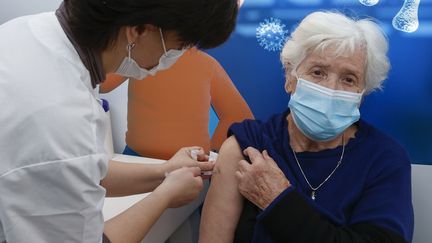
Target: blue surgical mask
321,113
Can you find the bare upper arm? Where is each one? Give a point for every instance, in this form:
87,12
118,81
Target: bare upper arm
229,156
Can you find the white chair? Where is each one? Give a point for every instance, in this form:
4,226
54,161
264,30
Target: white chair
118,111
422,200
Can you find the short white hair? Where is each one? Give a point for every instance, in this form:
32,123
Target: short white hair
319,30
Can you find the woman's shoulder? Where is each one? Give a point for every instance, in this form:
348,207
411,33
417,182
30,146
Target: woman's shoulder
274,123
378,137
257,132
246,129
382,145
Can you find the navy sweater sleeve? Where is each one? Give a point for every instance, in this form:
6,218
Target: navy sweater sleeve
248,133
291,219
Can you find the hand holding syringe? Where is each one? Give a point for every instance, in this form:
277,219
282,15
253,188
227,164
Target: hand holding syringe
192,157
211,158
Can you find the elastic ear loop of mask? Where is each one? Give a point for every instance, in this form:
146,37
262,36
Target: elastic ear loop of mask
129,48
163,41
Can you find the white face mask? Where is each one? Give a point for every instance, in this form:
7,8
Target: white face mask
129,67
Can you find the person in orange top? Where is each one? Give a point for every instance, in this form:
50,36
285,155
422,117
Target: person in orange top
171,109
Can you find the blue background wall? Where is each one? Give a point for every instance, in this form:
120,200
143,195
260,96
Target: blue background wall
403,109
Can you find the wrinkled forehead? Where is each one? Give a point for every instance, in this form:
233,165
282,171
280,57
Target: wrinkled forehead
335,49
354,59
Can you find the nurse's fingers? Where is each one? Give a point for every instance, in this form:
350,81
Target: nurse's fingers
192,148
196,153
201,156
196,171
206,166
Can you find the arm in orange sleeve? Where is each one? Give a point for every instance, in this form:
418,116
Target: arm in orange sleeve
228,104
112,81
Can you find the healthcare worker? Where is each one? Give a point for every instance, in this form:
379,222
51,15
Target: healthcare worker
54,170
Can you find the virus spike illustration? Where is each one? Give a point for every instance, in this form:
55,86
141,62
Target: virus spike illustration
369,2
271,34
407,18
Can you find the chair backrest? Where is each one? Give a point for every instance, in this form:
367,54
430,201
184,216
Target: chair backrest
422,200
118,111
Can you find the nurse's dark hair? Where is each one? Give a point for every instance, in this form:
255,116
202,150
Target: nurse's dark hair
202,23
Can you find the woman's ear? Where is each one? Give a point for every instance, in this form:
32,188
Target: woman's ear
290,83
132,34
135,32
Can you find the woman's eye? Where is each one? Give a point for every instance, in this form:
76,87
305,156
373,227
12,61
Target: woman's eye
349,80
317,72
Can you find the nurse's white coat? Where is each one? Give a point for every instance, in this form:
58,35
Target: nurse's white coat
52,132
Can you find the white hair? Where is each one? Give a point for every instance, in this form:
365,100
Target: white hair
319,30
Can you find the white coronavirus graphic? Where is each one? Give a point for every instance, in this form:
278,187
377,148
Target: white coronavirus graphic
407,18
369,2
271,34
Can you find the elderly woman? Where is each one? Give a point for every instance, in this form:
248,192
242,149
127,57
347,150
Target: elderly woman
317,172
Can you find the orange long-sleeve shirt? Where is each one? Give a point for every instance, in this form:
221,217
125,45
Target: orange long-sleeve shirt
171,109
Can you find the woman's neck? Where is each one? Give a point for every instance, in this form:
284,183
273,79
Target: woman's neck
114,55
300,143
111,60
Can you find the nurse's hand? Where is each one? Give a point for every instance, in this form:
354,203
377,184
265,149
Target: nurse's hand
183,158
181,186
